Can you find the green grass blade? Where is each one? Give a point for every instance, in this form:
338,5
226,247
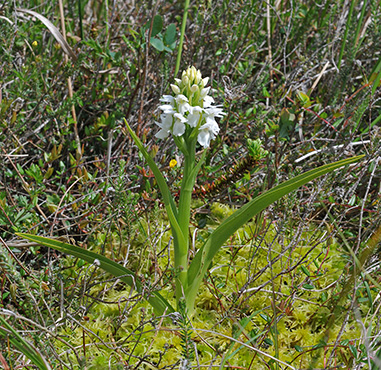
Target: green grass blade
360,25
242,326
344,40
205,254
156,300
23,345
377,70
182,33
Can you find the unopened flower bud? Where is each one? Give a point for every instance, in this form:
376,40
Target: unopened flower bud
194,88
185,80
205,81
197,77
175,89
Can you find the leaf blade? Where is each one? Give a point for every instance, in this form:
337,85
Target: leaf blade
157,25
205,254
157,301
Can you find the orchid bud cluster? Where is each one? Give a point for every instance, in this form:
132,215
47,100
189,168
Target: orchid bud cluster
190,111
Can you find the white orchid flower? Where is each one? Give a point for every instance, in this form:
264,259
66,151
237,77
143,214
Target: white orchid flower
179,124
165,125
207,132
167,99
194,116
208,101
190,108
182,103
167,108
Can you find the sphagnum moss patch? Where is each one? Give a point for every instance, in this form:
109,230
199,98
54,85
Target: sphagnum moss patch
301,313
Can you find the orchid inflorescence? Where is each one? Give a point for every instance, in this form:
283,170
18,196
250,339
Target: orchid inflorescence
190,111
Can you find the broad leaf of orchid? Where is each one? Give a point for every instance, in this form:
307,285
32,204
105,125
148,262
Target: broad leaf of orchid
205,254
167,197
155,299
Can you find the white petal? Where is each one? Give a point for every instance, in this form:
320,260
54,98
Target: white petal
208,101
194,116
167,108
214,112
167,99
178,128
204,138
166,121
183,108
179,117
197,109
204,93
162,134
182,103
193,119
210,122
211,125
180,99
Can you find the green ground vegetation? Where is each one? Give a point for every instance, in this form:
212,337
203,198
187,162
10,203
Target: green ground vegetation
297,287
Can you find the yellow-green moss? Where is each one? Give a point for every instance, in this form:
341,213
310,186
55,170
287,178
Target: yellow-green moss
223,310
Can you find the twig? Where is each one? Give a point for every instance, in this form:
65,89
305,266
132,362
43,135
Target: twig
244,345
360,229
13,256
325,149
319,76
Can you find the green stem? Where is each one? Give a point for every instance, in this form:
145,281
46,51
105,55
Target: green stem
181,249
80,19
180,143
180,47
186,193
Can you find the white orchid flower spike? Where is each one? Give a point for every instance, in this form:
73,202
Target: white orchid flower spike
190,112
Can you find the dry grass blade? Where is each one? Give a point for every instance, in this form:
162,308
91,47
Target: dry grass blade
4,363
53,30
6,19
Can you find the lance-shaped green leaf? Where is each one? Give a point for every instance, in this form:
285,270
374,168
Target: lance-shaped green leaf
31,352
155,299
166,194
205,254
